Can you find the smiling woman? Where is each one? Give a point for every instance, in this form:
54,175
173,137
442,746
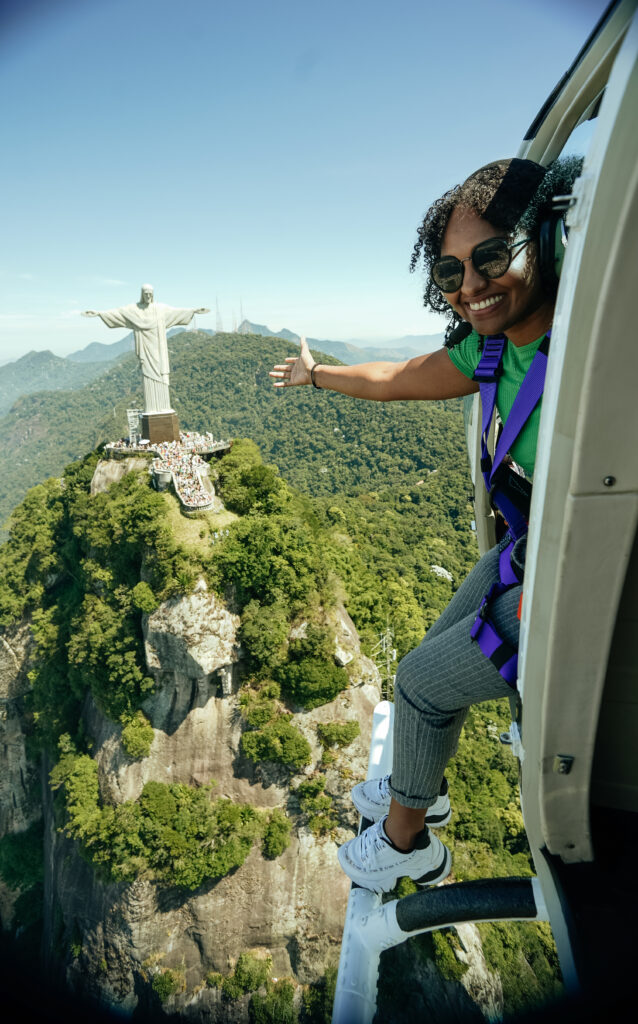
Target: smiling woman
512,300
514,201
489,247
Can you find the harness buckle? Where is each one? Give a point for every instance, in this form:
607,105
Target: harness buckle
490,366
488,374
511,493
480,620
483,609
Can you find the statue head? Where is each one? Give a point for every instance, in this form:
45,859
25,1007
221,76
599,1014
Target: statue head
146,294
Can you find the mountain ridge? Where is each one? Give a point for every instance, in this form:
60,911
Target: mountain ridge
321,442
351,351
42,370
393,350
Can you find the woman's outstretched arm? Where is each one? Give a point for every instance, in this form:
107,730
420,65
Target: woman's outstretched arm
424,377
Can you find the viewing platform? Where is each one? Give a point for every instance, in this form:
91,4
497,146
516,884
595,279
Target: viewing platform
182,463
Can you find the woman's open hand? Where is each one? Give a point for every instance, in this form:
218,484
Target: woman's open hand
296,369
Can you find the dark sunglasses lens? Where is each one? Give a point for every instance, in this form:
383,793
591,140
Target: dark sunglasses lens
447,273
491,258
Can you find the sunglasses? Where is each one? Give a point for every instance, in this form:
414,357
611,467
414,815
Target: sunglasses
490,259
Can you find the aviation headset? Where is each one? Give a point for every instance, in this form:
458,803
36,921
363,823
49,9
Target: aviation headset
509,203
552,242
507,206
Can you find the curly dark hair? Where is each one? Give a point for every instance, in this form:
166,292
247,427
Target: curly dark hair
513,195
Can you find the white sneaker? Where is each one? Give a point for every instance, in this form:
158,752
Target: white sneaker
372,800
372,862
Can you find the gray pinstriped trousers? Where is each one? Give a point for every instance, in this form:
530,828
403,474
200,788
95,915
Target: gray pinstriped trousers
438,681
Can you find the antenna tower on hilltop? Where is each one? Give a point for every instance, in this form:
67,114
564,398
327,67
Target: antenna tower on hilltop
218,323
384,654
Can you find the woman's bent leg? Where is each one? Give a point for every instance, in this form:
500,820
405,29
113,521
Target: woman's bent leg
435,685
471,592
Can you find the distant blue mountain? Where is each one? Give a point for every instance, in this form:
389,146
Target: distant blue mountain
43,371
421,342
347,352
101,352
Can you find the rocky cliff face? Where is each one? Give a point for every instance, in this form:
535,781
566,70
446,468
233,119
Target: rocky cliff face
482,985
19,784
111,940
109,471
20,804
115,937
476,998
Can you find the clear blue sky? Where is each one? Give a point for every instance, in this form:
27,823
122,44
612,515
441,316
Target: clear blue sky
275,153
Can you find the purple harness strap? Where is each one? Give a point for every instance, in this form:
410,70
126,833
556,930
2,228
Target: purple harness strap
505,571
528,397
489,369
491,643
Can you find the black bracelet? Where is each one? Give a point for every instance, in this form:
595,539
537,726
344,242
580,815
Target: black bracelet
312,377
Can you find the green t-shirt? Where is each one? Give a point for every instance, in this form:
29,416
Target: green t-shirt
516,363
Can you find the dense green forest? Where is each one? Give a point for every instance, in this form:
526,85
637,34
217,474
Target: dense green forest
47,430
43,371
323,443
393,502
73,564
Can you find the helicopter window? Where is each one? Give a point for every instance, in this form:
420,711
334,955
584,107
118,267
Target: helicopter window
579,141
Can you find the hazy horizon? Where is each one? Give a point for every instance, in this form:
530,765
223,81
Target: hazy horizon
395,341
275,158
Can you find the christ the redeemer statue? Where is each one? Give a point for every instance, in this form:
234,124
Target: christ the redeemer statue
149,321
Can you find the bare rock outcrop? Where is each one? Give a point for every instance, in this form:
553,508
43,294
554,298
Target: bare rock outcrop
427,996
19,779
114,938
110,471
346,637
291,907
482,985
192,637
19,783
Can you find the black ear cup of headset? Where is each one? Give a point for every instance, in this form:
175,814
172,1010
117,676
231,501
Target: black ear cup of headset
552,242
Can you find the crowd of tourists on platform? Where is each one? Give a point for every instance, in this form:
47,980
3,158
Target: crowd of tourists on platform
179,458
198,442
188,439
129,444
185,466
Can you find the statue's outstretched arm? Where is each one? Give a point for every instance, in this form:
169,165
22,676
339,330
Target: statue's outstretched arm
174,315
111,317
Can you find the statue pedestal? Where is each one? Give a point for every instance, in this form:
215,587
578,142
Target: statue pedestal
160,426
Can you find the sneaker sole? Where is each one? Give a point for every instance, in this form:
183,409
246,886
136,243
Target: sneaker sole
438,874
374,814
438,820
386,885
